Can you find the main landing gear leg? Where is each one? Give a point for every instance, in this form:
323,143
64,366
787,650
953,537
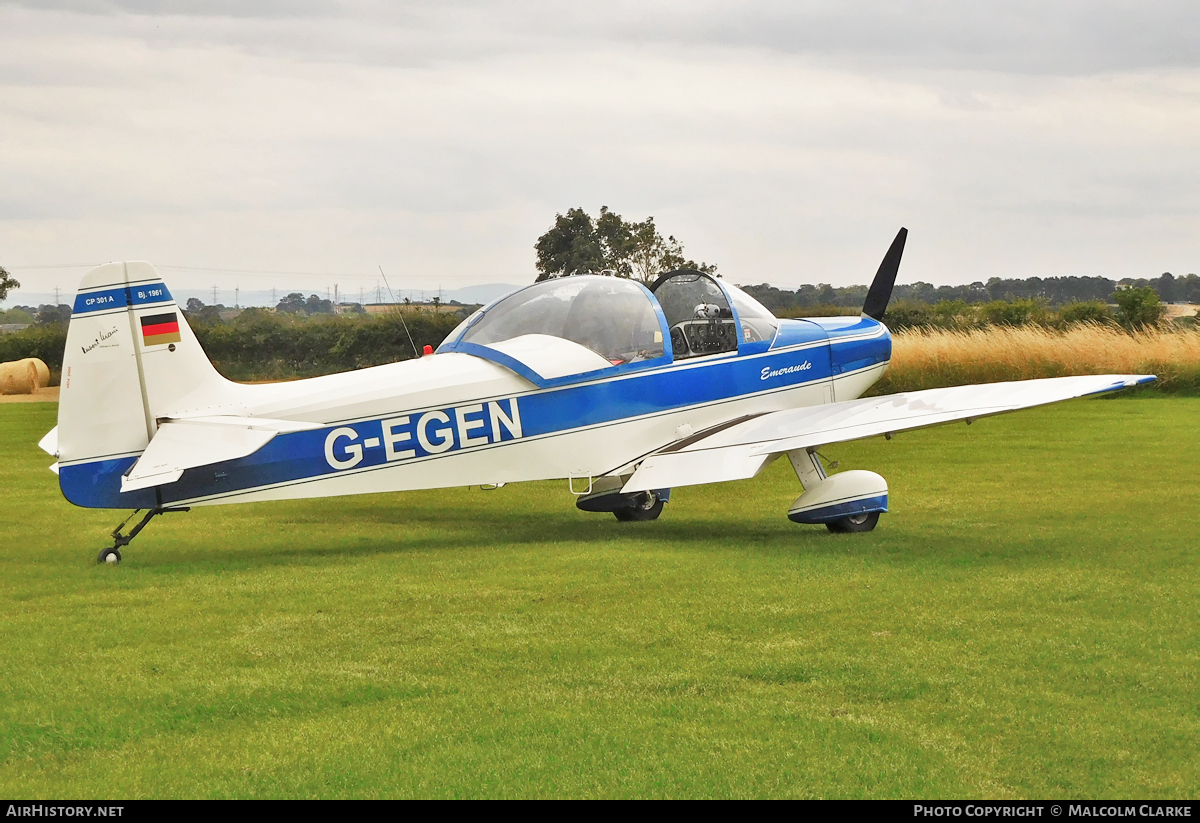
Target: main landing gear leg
113,554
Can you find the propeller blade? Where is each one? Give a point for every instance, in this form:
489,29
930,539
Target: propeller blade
885,279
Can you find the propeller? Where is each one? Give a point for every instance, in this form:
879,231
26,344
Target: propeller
885,279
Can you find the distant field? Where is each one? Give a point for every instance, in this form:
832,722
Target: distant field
931,358
1022,624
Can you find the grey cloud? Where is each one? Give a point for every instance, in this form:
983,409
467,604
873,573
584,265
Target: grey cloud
451,133
1065,37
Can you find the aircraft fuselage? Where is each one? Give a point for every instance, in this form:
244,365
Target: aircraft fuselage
457,419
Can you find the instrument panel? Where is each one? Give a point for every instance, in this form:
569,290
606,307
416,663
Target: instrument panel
692,338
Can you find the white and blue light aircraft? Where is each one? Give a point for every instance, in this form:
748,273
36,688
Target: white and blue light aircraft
623,390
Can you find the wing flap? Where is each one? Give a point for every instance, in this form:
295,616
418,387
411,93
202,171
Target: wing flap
731,454
693,468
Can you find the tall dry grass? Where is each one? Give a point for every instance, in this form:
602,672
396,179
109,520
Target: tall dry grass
931,358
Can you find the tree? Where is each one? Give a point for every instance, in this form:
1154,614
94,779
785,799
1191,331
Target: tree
48,315
292,304
577,244
570,246
1165,285
648,255
315,305
198,312
1138,307
1089,311
7,282
1013,312
616,241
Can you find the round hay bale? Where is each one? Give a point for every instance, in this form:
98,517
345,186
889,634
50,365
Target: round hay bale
18,377
43,372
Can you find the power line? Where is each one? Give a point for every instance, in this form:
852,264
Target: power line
58,266
521,276
261,271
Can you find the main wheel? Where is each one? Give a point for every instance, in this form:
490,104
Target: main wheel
647,507
854,523
109,556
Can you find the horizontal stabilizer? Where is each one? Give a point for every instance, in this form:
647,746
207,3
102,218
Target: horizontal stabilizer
739,452
202,441
49,443
263,423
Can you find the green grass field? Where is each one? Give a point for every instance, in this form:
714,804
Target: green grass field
1023,623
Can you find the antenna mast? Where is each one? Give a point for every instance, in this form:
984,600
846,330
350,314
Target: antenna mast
398,311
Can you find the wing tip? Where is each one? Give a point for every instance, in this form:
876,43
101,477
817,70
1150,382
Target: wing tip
1122,381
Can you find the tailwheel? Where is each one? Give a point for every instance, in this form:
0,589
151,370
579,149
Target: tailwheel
854,523
113,555
648,506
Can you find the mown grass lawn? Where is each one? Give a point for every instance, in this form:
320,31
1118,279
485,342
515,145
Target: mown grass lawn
1022,624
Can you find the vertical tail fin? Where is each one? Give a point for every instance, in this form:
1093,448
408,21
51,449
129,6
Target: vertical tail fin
130,356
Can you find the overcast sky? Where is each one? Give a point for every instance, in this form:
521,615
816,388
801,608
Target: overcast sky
785,142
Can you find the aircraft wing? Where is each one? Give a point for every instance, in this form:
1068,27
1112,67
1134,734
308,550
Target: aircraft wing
201,441
741,450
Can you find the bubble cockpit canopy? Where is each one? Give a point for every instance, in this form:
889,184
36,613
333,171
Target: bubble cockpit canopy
613,322
614,317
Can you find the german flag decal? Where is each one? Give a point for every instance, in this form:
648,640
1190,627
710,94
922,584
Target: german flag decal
158,329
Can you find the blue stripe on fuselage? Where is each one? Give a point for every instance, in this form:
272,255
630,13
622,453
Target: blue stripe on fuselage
299,456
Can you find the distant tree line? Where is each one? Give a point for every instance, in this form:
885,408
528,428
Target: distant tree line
295,303
43,315
1054,291
1136,308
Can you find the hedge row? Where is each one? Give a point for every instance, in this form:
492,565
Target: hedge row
260,345
44,342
